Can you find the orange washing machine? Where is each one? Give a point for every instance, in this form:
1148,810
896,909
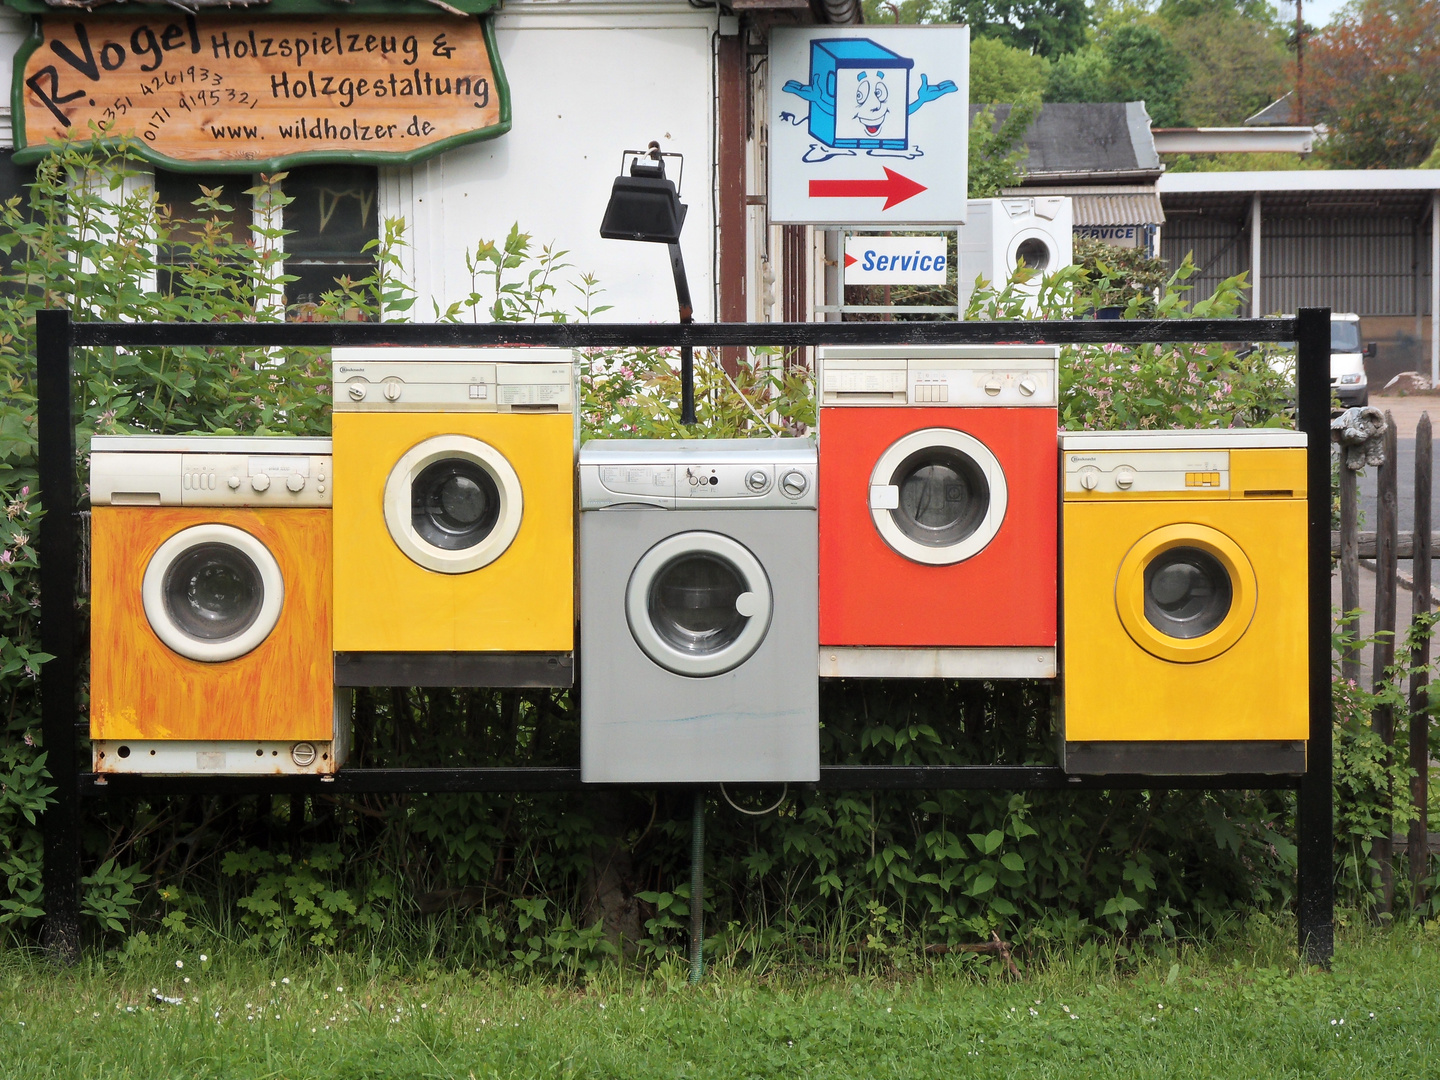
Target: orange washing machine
210,627
938,511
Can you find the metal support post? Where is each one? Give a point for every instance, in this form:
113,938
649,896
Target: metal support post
687,352
60,871
1255,308
697,888
1314,806
1419,838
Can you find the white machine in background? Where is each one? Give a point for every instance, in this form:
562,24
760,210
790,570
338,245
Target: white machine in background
998,233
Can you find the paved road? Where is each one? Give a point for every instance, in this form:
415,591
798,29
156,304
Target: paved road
1406,414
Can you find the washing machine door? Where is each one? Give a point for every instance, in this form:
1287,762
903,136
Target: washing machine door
1185,593
212,592
699,603
938,496
1036,248
453,504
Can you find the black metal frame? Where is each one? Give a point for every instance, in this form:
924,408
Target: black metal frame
57,335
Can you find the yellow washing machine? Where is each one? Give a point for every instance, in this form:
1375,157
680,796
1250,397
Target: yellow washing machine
454,517
1184,602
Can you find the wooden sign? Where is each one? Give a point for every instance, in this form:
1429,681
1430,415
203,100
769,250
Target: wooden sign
246,92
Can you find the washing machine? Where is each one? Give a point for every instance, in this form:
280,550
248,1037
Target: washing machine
999,233
454,517
210,606
1185,602
697,614
939,494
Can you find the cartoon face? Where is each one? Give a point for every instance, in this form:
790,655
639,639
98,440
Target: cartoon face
870,103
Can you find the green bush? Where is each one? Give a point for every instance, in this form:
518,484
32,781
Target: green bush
525,880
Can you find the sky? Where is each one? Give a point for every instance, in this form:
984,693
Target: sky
1317,12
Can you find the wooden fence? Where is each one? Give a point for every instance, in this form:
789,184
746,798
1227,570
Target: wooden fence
1381,551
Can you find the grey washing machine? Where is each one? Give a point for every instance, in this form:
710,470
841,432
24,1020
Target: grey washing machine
698,611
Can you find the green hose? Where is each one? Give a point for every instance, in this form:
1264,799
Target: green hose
697,888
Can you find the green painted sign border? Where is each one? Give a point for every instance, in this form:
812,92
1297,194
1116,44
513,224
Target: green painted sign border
26,154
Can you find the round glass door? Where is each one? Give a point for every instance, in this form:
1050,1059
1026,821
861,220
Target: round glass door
212,592
453,504
1185,593
699,604
938,496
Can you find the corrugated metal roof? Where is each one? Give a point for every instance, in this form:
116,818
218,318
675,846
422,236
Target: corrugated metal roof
1301,180
1118,210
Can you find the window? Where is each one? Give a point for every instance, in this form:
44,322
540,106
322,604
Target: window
178,192
14,180
331,216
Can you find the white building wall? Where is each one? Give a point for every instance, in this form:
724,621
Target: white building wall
587,80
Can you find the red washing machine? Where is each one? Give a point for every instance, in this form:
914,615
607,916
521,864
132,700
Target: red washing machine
938,511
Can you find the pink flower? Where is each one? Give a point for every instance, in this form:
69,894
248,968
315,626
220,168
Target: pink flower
6,557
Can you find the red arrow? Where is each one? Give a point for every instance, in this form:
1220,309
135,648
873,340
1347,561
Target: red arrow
850,260
895,189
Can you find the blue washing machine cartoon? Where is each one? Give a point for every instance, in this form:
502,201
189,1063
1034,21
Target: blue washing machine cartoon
859,95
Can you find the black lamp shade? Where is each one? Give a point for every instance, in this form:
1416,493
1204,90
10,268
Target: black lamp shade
643,208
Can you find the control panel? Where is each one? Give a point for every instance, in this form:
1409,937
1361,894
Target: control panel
210,479
700,485
940,376
1147,472
488,380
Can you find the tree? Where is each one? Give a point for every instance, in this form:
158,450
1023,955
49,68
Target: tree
1047,28
1237,64
1373,75
997,151
1000,73
1134,62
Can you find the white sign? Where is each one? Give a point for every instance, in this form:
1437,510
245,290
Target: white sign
895,260
869,125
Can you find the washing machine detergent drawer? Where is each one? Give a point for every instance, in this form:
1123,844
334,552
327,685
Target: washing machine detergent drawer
683,680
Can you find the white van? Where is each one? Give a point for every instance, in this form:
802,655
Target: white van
1348,380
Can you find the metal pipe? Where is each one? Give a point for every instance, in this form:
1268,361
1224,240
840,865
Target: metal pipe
687,352
697,888
1315,884
1255,307
60,825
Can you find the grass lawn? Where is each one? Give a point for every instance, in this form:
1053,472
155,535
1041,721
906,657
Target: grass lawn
1240,1008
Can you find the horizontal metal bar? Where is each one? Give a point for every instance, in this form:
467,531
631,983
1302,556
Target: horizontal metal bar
903,309
545,778
700,335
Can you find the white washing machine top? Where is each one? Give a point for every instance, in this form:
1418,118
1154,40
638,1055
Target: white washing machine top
209,470
540,380
945,376
699,474
1181,439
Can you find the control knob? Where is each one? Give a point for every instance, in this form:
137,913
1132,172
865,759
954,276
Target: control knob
1027,387
233,483
392,390
260,481
1124,477
794,484
757,481
992,386
356,390
295,482
1089,478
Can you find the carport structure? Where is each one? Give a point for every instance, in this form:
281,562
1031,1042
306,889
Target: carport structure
1362,241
